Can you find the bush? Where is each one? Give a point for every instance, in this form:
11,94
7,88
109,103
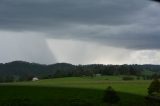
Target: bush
138,77
127,78
154,87
110,96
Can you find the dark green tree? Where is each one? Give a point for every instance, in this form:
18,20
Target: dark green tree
110,96
154,87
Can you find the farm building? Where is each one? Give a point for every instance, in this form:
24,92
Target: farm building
35,79
98,75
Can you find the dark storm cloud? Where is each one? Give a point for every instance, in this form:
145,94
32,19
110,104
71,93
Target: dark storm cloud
42,13
132,24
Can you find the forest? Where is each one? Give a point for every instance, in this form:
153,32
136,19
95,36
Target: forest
25,71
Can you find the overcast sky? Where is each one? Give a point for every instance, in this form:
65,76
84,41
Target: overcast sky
80,31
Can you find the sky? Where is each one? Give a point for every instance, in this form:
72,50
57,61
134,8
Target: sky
80,31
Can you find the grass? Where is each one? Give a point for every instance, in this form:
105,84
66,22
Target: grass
67,91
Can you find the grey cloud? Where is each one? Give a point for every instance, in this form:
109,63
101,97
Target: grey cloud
24,14
133,36
132,24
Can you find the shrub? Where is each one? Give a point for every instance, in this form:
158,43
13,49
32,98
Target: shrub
110,96
154,87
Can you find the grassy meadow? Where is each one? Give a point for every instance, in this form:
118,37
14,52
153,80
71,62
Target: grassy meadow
73,91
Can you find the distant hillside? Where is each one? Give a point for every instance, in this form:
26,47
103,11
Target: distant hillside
21,70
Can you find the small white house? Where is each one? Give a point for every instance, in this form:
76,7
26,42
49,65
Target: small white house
35,79
98,75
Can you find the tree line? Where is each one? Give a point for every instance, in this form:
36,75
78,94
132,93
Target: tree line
22,71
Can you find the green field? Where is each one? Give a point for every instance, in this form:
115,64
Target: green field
74,91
